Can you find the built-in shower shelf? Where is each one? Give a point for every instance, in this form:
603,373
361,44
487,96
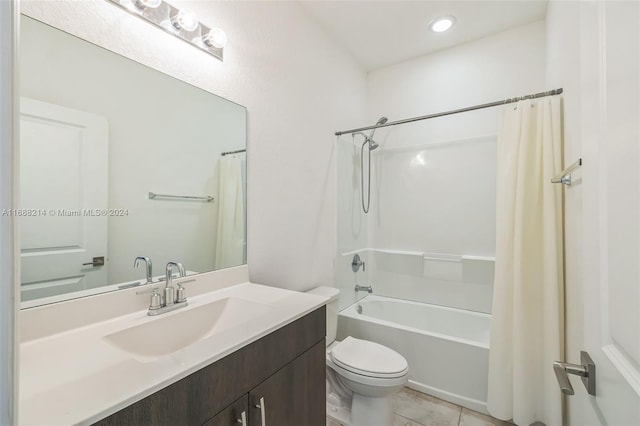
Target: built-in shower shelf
479,258
426,256
375,250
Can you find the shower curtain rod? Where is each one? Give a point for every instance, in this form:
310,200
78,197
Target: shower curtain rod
455,111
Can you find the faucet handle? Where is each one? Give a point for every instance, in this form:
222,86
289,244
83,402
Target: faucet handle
356,263
156,299
148,290
180,293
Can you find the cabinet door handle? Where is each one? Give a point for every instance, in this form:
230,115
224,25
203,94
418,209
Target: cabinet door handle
262,411
243,419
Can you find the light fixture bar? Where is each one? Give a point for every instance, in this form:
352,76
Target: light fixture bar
179,23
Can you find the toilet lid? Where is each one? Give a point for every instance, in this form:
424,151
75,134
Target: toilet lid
368,358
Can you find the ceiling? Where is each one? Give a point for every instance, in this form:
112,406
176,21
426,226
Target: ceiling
381,33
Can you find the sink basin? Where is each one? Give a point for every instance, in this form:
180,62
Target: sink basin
164,335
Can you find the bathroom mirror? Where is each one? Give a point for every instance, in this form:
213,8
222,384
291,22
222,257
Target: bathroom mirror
119,161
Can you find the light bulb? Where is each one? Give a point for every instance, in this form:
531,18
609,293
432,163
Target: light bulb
215,38
185,20
442,24
151,4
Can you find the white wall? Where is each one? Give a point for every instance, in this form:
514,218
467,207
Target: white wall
434,180
178,156
500,66
298,88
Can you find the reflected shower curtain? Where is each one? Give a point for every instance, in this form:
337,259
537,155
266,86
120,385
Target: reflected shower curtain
230,238
527,326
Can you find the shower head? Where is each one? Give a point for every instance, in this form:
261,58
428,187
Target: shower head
372,144
381,121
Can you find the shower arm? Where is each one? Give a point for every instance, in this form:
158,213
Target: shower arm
366,138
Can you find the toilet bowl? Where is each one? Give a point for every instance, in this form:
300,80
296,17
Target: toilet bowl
362,376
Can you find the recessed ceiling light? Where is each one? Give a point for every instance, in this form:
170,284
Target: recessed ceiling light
442,24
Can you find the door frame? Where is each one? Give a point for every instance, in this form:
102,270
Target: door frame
9,272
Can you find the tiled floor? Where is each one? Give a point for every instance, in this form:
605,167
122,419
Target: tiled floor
417,409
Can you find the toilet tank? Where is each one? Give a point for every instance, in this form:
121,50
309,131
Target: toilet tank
332,294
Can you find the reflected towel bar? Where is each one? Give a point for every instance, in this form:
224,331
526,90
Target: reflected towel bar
207,198
238,151
564,176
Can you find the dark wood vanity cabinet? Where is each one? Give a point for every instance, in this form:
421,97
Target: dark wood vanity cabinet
282,374
234,414
295,395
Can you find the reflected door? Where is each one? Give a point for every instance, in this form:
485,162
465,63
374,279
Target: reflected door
63,199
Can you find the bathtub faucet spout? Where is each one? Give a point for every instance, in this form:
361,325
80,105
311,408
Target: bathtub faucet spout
368,288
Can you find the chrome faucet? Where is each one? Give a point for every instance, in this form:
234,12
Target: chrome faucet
368,288
149,266
170,300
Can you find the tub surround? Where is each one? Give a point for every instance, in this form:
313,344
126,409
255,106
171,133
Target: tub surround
71,374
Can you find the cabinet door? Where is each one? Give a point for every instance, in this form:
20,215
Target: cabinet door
234,415
293,396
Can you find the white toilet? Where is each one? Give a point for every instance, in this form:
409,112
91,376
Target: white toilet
362,376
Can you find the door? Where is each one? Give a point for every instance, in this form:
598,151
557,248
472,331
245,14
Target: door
293,396
63,199
611,212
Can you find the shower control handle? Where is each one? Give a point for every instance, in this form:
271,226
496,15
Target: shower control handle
356,263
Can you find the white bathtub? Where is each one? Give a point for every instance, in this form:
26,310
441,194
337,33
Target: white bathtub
447,349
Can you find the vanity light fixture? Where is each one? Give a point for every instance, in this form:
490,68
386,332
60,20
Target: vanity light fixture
215,38
442,23
185,20
143,4
181,23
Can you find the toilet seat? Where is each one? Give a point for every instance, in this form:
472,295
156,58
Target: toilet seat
370,359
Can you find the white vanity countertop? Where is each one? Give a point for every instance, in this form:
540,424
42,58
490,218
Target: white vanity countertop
77,377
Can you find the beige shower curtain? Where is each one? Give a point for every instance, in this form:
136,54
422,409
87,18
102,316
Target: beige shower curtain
231,213
527,327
